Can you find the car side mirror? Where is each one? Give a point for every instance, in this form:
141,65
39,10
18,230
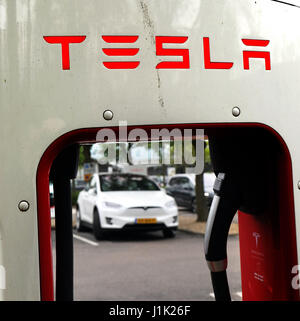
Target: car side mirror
93,191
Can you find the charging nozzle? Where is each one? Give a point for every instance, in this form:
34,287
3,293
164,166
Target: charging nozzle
241,157
223,208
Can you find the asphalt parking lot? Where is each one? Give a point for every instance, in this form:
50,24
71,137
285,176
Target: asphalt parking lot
145,266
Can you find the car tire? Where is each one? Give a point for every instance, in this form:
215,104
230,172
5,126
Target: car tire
168,234
79,226
194,206
98,231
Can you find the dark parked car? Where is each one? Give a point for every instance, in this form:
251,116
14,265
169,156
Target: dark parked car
182,188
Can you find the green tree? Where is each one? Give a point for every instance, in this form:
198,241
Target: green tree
84,155
201,207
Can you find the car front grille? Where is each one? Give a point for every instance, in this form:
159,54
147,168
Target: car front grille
144,211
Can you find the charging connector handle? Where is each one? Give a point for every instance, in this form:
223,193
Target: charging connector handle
223,208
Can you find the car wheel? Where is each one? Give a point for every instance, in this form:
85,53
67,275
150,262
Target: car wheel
98,231
194,206
79,226
167,233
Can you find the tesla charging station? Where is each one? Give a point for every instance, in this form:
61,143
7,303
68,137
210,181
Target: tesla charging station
228,67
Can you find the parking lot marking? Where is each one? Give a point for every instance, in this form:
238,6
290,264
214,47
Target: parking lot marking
83,239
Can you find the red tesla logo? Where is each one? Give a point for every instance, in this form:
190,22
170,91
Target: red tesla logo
160,41
64,41
208,64
120,52
256,54
184,53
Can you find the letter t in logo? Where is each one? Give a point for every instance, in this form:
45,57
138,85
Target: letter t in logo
64,41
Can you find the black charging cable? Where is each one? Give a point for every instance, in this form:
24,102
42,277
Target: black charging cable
63,169
223,208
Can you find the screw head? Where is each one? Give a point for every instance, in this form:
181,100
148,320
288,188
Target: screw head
23,206
236,111
108,114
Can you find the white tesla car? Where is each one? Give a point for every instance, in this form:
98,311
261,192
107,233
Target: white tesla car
125,201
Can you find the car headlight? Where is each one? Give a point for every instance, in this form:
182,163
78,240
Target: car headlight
171,203
113,205
206,194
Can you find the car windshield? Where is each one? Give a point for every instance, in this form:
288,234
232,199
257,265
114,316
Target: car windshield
112,183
